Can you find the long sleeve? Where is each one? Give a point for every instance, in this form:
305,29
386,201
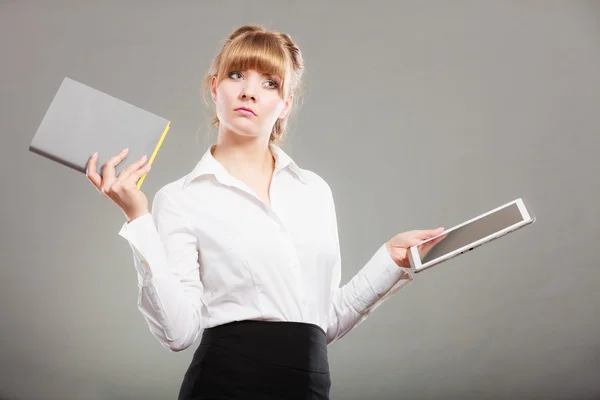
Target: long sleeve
376,281
165,255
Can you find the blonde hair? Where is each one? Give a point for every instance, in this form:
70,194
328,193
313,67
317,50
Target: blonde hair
271,52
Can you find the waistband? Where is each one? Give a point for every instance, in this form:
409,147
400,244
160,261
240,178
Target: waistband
287,344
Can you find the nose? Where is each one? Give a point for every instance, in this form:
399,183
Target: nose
248,94
249,91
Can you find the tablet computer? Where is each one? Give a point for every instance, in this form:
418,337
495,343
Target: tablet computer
469,235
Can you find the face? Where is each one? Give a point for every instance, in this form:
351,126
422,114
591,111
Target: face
248,103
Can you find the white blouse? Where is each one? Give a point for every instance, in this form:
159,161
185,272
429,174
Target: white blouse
211,252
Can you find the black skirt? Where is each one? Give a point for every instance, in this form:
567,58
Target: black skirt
259,360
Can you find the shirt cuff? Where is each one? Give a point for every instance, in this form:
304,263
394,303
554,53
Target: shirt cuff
143,237
385,277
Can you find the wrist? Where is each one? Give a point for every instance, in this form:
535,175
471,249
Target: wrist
394,255
136,215
388,248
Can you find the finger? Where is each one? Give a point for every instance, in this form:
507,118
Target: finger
108,171
131,169
426,247
429,241
91,173
141,172
436,240
415,240
429,245
136,175
432,243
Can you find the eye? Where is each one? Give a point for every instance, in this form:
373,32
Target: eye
272,84
235,75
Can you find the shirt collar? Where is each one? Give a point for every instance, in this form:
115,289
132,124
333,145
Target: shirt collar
208,165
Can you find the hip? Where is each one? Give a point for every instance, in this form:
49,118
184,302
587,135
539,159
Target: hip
259,360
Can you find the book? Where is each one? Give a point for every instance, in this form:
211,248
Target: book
82,120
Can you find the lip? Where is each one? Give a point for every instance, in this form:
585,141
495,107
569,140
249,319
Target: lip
245,111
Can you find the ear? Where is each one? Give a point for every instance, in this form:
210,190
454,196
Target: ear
213,88
286,107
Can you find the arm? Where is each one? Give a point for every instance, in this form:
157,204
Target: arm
377,280
165,255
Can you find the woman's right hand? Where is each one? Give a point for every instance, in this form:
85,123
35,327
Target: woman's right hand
122,190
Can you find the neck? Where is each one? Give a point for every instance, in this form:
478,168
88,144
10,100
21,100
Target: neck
244,156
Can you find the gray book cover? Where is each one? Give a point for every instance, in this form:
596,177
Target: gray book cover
82,120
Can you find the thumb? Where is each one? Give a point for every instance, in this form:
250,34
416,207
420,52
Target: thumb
431,232
424,235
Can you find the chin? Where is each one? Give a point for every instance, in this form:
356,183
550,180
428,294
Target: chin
244,130
246,134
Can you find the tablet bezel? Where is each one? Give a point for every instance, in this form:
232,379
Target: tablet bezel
526,219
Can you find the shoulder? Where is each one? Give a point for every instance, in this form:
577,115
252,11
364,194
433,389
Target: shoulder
169,197
316,181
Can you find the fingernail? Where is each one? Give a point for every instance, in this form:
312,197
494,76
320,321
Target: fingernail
145,158
125,150
95,155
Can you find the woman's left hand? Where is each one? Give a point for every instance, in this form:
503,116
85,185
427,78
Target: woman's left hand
399,244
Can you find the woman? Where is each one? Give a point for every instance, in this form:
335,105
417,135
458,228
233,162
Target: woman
243,251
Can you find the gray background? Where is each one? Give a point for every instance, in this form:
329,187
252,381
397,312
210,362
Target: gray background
418,114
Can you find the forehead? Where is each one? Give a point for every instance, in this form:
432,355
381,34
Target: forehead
262,54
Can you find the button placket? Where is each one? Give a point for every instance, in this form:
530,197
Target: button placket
297,271
295,264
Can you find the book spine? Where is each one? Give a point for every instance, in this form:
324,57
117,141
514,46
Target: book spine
160,142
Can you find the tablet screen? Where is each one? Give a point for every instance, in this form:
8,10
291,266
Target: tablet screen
473,231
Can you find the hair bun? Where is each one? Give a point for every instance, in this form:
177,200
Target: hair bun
245,29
